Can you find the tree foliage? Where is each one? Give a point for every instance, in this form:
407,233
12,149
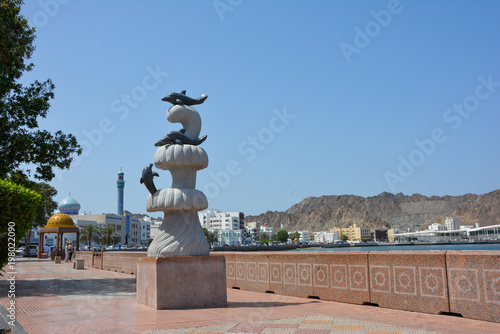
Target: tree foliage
295,235
282,236
344,237
109,236
18,207
47,205
210,236
90,234
21,141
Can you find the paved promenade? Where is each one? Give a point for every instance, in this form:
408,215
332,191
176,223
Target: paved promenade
54,298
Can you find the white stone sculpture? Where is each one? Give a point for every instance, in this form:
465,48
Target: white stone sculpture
180,234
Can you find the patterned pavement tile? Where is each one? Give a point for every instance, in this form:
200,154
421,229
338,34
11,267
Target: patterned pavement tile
300,325
54,298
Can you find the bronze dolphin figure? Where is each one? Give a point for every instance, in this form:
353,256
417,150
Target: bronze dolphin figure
178,137
147,178
181,98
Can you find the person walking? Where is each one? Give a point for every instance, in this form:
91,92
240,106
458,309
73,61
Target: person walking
46,250
70,249
66,252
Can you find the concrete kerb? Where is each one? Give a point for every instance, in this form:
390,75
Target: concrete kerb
4,326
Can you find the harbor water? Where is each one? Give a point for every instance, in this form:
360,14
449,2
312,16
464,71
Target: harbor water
413,247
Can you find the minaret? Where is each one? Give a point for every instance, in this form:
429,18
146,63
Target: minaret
120,184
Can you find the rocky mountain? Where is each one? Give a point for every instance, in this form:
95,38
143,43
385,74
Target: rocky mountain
485,210
384,211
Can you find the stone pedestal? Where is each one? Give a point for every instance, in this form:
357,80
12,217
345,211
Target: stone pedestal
181,282
78,264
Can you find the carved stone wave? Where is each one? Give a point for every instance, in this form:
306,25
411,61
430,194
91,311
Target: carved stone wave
185,155
174,199
188,117
182,235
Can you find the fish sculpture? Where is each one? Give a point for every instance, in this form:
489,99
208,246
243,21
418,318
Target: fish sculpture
147,178
178,137
181,98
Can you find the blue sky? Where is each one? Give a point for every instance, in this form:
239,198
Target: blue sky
305,98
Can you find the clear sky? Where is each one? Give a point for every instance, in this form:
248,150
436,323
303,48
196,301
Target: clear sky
305,98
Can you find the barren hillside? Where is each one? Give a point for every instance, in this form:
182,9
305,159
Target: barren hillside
384,211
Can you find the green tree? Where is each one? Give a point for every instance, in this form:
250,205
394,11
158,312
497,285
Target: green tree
344,237
282,236
46,206
274,237
18,207
212,237
21,142
295,235
264,236
109,236
90,234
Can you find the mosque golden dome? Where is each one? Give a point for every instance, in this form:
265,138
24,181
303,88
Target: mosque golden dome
60,220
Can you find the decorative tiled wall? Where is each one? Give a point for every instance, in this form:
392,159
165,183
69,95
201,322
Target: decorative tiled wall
409,280
474,284
434,282
124,262
461,282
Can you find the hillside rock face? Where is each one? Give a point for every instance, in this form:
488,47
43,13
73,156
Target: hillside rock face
484,209
384,211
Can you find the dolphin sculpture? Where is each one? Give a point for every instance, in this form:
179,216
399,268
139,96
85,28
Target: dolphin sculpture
178,137
147,178
181,98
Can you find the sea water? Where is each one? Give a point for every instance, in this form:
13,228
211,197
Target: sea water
450,247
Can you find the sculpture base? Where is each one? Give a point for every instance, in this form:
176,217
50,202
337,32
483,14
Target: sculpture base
182,282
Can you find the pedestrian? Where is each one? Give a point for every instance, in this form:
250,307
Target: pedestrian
70,249
46,250
66,252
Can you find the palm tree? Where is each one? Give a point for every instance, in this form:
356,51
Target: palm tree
109,235
212,237
90,234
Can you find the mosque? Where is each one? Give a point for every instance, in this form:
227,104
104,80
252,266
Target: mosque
132,231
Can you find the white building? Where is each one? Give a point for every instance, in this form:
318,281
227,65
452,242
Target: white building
436,227
231,237
266,229
326,237
127,228
452,223
145,231
253,233
304,236
216,220
154,228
